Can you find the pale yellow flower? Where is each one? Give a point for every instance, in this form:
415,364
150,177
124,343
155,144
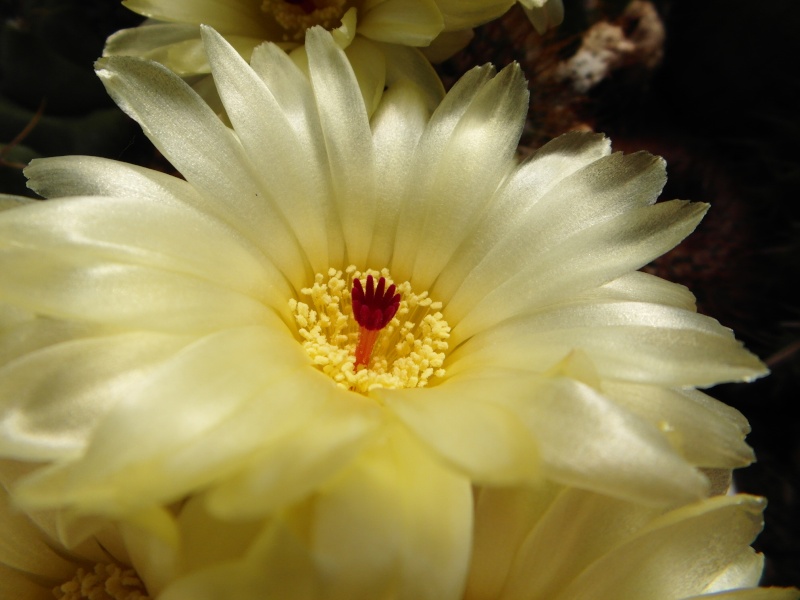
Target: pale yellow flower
556,543
36,565
544,14
175,335
383,38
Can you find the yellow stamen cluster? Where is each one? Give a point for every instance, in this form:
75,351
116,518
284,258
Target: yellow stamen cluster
409,351
297,16
105,582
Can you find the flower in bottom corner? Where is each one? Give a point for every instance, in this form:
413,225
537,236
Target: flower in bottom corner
36,565
559,543
321,283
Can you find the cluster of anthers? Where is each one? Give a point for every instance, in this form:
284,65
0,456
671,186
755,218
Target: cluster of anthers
295,16
365,331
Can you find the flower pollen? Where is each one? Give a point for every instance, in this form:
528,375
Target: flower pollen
295,16
104,582
364,331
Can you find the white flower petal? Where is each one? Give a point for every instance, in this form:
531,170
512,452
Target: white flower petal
443,203
396,128
632,341
281,148
53,398
705,431
679,542
406,22
231,391
589,258
348,141
459,421
183,128
227,16
294,465
584,438
523,188
381,526
462,14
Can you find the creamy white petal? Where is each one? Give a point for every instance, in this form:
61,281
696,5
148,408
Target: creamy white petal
705,431
461,14
643,287
556,160
374,532
287,165
226,16
597,525
504,517
369,67
289,468
605,202
396,128
231,391
589,258
403,62
460,422
348,141
53,398
587,440
183,128
444,201
142,229
406,22
381,526
632,341
675,543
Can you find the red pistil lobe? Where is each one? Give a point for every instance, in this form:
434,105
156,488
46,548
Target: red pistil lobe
373,308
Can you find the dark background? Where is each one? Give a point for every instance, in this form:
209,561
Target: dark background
717,97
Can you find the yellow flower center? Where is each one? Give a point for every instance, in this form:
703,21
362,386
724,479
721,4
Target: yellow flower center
365,331
295,16
105,582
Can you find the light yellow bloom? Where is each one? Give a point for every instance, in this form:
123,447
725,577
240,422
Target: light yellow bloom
544,14
556,543
36,565
175,335
382,38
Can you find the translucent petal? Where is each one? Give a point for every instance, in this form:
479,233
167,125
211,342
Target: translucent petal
577,529
443,203
591,257
348,141
380,526
226,16
53,398
292,466
695,543
377,529
629,341
290,169
503,518
459,421
232,391
396,128
183,128
584,437
705,431
406,22
550,164
151,230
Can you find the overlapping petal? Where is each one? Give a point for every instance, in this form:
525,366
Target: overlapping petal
534,265
564,543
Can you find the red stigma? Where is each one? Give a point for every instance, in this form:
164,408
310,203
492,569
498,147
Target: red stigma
373,308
